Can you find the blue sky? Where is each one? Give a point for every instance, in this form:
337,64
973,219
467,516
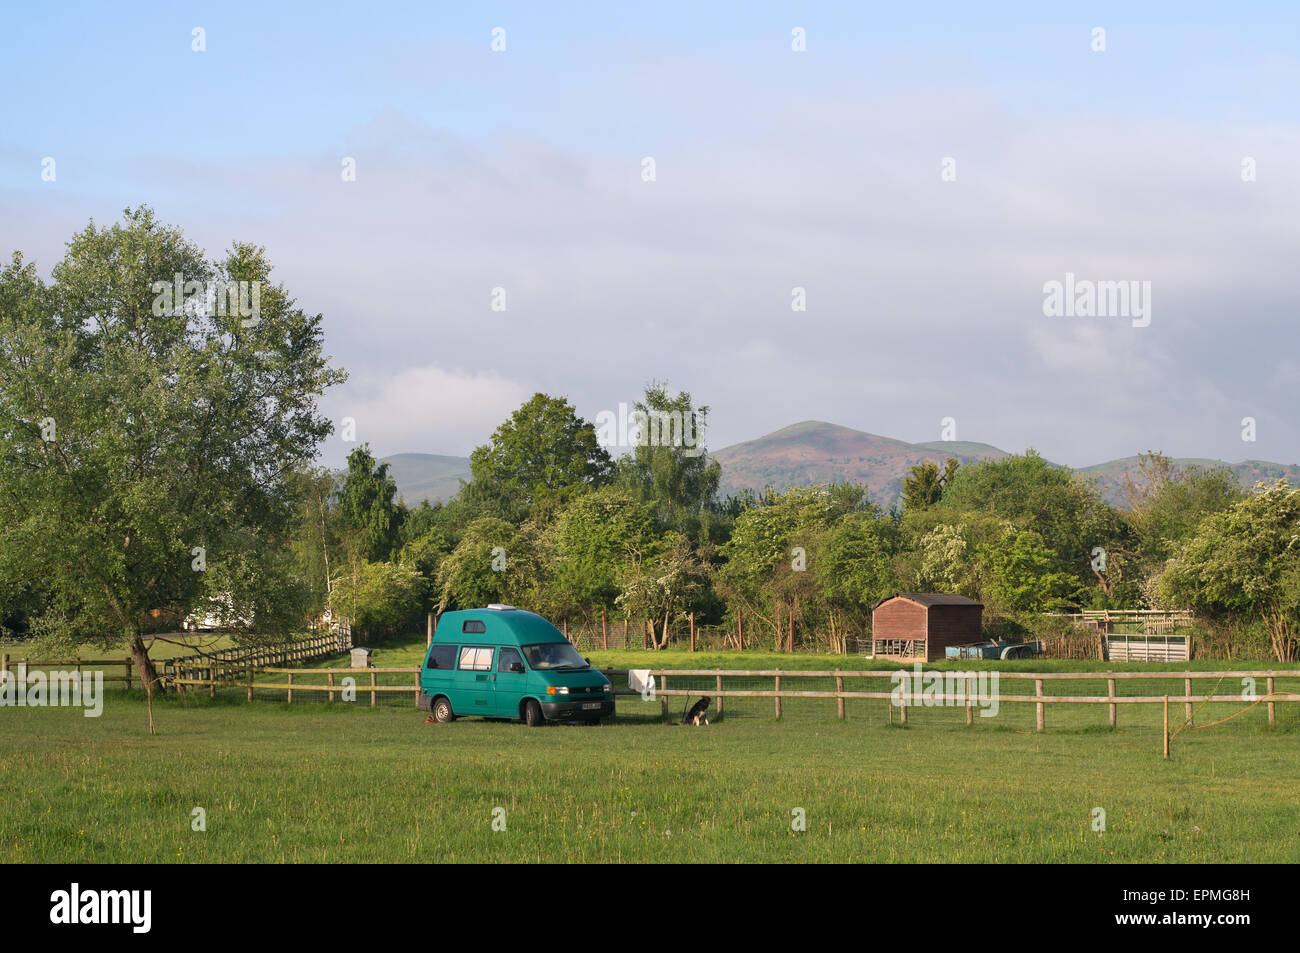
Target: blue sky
820,169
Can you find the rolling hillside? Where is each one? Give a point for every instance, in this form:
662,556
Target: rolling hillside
817,452
427,476
1110,475
813,452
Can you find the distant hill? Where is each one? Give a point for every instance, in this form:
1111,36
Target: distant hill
427,476
816,452
813,452
1110,475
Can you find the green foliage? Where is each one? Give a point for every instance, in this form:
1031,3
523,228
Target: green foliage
544,451
137,433
1019,575
596,540
378,597
662,586
368,514
924,484
474,574
669,466
1246,560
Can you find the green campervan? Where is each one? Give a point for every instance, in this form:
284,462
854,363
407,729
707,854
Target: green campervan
503,662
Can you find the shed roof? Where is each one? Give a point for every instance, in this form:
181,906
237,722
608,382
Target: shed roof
928,599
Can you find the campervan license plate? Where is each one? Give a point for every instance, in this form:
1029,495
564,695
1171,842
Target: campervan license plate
590,706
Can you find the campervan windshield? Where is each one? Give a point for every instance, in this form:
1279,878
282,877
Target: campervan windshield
554,656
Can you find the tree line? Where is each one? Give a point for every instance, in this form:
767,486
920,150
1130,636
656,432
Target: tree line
550,521
158,462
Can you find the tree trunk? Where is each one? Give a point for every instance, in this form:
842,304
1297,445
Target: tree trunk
145,669
144,666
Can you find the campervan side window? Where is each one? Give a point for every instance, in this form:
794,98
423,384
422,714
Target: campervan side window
473,627
442,657
474,658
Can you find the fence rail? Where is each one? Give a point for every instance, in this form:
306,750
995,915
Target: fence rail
959,688
953,679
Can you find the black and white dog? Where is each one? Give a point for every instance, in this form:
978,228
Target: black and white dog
697,715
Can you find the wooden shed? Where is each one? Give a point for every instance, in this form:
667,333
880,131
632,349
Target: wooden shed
918,626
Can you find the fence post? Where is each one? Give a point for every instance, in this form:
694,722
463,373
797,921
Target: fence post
212,679
839,694
1114,709
4,662
250,681
663,699
417,687
1187,707
692,631
1166,731
778,696
126,675
902,706
372,688
1272,712
604,631
1042,709
720,698
970,690
331,684
428,640
288,696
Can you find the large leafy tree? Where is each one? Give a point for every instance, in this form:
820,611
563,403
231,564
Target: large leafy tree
773,544
1246,560
664,582
1020,574
146,444
595,539
668,465
368,512
854,570
476,572
1067,513
1166,504
378,597
544,452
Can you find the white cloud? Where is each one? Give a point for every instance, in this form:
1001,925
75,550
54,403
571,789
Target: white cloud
421,409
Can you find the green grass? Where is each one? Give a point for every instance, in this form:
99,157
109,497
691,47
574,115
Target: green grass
344,783
159,650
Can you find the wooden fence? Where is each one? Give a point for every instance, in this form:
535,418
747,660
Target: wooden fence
107,666
1039,699
201,667
224,665
665,688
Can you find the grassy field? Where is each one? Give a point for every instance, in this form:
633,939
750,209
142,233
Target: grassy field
163,647
330,783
